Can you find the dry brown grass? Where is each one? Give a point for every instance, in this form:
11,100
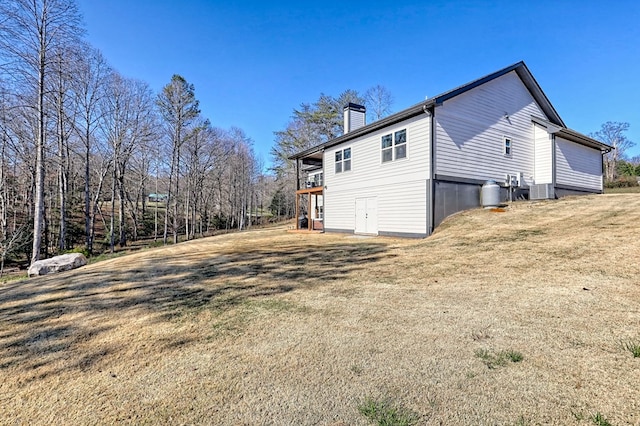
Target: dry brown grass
267,327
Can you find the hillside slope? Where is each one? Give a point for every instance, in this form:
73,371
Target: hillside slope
268,327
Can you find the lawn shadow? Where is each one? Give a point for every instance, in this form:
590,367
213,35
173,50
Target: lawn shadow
44,320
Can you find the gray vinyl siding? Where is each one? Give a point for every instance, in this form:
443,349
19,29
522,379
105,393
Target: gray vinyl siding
577,165
543,161
471,127
400,187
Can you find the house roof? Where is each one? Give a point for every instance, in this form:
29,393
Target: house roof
572,135
420,108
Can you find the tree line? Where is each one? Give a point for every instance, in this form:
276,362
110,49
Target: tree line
82,147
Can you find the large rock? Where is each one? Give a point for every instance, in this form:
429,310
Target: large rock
60,263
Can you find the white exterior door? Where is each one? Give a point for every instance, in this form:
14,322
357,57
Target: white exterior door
366,216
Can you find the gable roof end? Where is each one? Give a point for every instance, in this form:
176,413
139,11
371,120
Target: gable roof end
527,79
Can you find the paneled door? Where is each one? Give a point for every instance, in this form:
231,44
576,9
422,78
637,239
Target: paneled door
367,216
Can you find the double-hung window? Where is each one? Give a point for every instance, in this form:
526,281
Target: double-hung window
400,145
343,160
387,148
508,148
394,146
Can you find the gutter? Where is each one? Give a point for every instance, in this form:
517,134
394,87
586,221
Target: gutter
572,135
585,140
431,110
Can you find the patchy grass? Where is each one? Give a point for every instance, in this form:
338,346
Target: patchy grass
15,277
498,359
386,413
633,346
270,327
599,420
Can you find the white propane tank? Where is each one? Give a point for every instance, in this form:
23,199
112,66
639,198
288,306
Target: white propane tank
490,194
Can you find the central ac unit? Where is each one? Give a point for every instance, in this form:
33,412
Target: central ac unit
542,191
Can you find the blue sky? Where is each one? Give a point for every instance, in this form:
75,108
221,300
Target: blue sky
253,62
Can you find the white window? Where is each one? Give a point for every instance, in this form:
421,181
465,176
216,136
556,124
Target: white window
343,160
508,148
394,146
387,148
400,145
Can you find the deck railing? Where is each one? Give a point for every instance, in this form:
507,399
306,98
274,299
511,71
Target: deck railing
312,181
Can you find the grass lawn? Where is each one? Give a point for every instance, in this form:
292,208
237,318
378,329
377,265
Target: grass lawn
525,317
629,190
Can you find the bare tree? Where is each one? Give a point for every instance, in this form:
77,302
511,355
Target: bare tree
17,168
127,122
65,110
89,88
203,151
179,107
612,133
31,31
378,101
10,243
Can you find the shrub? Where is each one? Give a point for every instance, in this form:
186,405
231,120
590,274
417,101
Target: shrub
622,182
82,250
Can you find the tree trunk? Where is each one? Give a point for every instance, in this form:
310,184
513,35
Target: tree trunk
122,226
38,215
62,178
155,215
87,194
175,198
112,236
94,212
169,200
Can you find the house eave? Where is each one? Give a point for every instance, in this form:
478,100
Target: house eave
572,135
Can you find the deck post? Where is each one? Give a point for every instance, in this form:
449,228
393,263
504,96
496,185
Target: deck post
309,217
297,211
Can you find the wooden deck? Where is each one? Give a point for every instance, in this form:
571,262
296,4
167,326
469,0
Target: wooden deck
316,190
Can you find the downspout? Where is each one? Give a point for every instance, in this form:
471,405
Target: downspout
297,197
553,163
602,177
431,111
